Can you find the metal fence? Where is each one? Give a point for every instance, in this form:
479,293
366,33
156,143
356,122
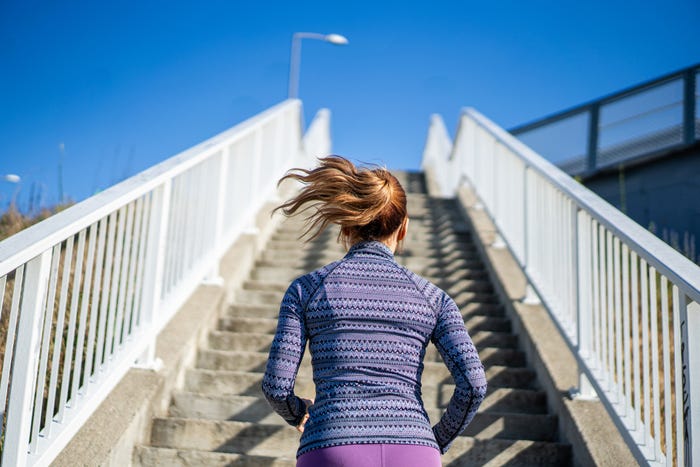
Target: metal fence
627,303
646,120
84,294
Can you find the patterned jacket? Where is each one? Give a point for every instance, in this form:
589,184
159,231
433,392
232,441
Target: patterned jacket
368,321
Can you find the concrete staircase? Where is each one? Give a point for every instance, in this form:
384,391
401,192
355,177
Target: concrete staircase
220,417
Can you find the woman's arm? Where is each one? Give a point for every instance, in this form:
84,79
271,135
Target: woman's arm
462,359
285,356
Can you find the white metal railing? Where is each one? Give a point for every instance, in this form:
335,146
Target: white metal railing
87,291
627,303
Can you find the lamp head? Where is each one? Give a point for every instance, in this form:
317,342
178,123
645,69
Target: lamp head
336,39
12,178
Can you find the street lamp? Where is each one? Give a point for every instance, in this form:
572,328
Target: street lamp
12,178
295,60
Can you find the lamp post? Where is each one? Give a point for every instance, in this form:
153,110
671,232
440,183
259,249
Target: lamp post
295,60
12,178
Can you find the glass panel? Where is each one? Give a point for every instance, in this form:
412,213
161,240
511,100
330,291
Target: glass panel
646,121
563,143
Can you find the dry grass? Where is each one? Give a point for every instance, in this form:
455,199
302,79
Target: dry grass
11,222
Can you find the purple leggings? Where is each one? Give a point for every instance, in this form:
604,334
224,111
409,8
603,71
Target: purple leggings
372,455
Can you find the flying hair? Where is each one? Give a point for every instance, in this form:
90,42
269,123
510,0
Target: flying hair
368,203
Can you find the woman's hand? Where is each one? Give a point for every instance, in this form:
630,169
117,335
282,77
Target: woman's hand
300,426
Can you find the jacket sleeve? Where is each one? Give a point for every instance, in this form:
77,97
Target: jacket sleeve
459,354
285,356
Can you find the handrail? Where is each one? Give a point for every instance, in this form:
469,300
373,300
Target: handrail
612,287
656,252
649,115
18,249
87,290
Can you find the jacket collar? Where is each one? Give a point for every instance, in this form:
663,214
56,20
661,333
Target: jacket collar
370,248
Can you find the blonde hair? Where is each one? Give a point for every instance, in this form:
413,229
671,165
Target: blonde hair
367,203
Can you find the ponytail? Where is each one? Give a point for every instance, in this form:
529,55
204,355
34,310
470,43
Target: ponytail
367,204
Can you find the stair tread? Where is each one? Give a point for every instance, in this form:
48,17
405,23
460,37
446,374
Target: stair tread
493,423
239,359
225,340
172,457
270,440
494,374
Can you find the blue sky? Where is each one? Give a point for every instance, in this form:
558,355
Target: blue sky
127,84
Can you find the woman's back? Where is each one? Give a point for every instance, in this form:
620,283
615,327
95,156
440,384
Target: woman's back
368,321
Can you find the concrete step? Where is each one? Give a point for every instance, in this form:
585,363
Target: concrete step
474,324
260,342
451,273
244,360
225,436
273,286
440,263
248,341
300,257
272,440
246,324
483,309
535,427
468,451
441,275
506,400
493,425
481,288
149,456
241,382
211,382
298,245
466,285
250,310
272,310
280,274
438,251
423,228
261,297
489,356
411,182
435,394
433,271
500,400
487,323
239,360
450,248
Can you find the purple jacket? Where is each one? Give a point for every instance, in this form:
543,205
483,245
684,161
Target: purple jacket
368,321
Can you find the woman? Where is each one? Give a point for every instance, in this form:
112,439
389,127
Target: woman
368,321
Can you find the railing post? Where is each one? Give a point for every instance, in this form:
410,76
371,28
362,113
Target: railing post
19,413
154,269
690,349
257,155
689,106
526,234
593,129
213,277
531,297
582,231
